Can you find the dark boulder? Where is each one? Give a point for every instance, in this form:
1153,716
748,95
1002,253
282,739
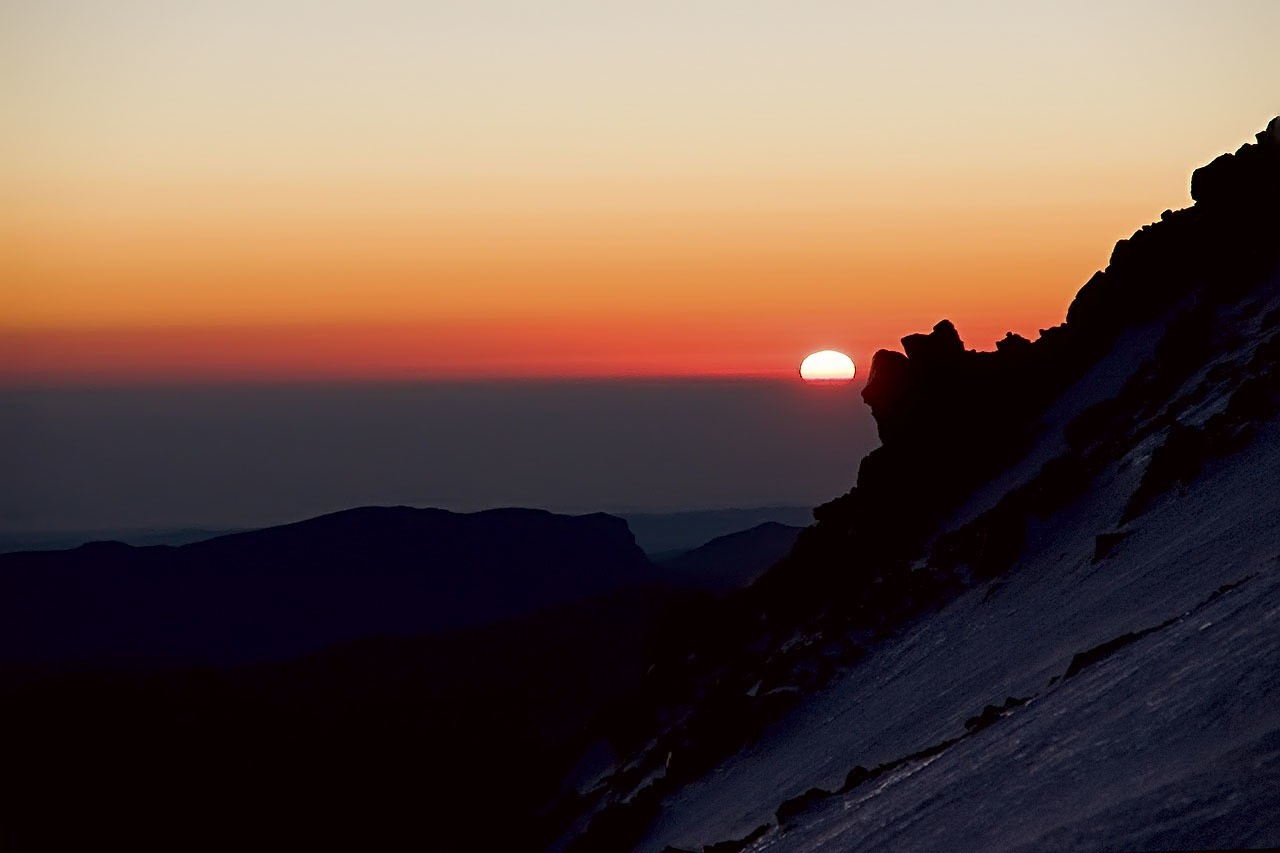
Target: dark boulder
1248,179
800,804
1178,460
991,713
1105,543
940,346
854,778
888,391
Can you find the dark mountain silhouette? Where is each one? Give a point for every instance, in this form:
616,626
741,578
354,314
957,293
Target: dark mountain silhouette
659,534
730,562
284,591
664,534
1167,367
64,540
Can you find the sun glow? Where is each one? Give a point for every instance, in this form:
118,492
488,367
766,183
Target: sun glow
827,366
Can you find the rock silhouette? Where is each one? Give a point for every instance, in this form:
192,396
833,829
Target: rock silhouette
730,562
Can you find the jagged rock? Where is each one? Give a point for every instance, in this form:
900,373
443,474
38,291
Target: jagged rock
1245,180
800,804
1249,404
855,777
888,389
1178,460
908,392
938,347
1100,652
1013,344
1271,135
736,845
992,713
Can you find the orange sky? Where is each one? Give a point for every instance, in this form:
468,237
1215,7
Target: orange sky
270,191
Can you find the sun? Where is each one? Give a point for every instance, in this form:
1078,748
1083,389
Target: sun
827,366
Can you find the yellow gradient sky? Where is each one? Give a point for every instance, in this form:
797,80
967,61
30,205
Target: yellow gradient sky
260,190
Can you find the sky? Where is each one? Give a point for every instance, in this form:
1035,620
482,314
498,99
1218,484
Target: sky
265,191
116,460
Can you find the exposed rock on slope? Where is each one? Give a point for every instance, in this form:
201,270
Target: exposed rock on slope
1068,505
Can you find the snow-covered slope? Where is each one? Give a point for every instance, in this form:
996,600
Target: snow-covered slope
1170,741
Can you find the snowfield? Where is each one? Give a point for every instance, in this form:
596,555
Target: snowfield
1165,735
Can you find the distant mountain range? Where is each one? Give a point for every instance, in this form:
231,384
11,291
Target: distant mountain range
730,562
657,533
284,591
397,638
60,540
281,592
665,534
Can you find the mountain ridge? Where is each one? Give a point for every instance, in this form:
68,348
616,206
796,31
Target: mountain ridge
732,561
280,592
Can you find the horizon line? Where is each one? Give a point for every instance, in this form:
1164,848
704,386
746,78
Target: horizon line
118,382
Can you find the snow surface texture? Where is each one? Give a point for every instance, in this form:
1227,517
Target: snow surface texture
1168,737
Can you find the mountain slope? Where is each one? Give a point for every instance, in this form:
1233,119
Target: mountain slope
732,561
1166,734
661,533
1044,616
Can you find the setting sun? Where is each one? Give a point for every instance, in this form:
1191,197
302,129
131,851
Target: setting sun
827,366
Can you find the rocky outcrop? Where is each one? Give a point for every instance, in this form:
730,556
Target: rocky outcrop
948,417
1245,181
